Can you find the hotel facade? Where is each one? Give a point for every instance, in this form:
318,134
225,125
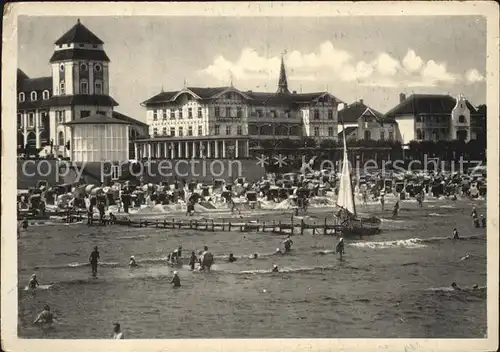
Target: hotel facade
224,122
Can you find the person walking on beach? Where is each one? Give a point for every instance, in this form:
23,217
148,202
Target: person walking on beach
93,259
117,332
192,260
340,247
395,211
382,201
455,234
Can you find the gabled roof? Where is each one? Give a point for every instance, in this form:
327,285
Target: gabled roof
21,76
348,131
35,84
67,100
79,54
426,104
128,119
207,92
97,119
79,34
352,112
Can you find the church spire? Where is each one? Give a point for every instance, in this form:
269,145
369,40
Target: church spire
282,83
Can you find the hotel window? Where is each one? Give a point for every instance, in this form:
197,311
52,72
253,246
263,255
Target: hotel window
172,114
45,95
164,113
60,139
190,130
228,112
239,130
98,88
461,118
330,131
155,131
216,130
180,113
239,112
61,88
21,97
316,131
164,131
190,113
217,111
83,67
155,115
33,96
330,114
259,112
31,119
288,114
115,172
19,121
273,114
172,131
101,112
200,130
418,118
181,132
382,135
84,113
84,87
200,113
391,136
316,114
368,135
228,130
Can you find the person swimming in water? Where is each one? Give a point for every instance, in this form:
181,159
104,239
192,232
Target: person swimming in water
33,284
176,281
132,263
288,244
45,317
94,259
455,234
192,260
467,256
231,258
455,287
278,252
275,269
254,256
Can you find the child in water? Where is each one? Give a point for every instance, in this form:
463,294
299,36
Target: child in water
192,260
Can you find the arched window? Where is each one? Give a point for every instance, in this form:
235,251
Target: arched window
368,135
33,96
60,138
98,87
84,87
45,95
461,119
21,97
97,68
419,133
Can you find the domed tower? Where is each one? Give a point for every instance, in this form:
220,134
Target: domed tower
80,82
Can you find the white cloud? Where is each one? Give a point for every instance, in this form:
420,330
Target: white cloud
329,63
474,76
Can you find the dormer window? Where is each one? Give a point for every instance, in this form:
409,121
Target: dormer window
21,97
461,119
45,95
61,67
97,68
83,67
33,96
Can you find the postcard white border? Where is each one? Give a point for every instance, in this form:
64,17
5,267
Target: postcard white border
9,306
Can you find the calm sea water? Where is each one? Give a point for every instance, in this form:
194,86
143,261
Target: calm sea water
391,285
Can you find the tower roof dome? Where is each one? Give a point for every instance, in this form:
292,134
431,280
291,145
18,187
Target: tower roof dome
79,34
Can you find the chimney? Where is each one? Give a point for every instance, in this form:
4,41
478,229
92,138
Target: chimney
402,97
361,101
294,92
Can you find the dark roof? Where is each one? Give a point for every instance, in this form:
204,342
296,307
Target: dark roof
261,98
97,119
35,84
426,104
352,112
79,54
207,92
348,131
21,76
128,119
162,97
65,100
79,34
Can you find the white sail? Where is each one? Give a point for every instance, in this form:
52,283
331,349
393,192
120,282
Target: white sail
346,198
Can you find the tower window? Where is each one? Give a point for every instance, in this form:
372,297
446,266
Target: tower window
461,118
61,67
83,67
21,97
84,87
61,88
45,95
60,139
97,68
98,88
33,96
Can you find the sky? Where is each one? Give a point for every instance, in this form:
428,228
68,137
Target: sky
371,58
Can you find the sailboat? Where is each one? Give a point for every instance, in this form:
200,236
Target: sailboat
350,223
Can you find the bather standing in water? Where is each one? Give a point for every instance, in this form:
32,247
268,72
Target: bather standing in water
93,259
455,234
275,269
192,260
231,258
33,284
133,263
176,281
340,247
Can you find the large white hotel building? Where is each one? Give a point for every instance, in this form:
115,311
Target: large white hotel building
224,122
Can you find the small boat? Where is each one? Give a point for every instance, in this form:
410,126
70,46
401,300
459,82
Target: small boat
350,223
